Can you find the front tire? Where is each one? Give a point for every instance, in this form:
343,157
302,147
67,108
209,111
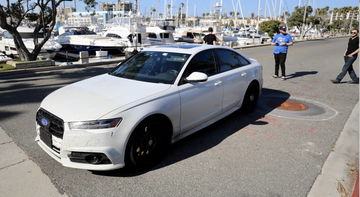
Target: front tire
146,146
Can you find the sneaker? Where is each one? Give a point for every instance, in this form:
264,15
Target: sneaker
353,82
335,81
275,76
283,78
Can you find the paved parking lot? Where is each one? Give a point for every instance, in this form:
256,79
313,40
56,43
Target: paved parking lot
270,152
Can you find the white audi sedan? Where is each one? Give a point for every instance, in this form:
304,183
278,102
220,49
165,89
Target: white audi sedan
130,115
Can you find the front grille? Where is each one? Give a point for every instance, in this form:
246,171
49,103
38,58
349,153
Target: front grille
55,124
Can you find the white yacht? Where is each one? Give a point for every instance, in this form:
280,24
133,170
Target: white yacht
7,44
75,39
4,58
189,35
128,29
160,31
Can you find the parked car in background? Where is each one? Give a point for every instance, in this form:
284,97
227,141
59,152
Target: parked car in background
128,116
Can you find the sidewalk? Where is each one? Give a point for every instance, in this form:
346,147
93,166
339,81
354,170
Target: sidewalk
340,170
19,176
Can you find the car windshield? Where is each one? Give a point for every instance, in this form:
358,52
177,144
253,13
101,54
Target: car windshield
151,66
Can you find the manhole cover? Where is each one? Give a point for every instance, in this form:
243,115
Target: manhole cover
289,105
295,108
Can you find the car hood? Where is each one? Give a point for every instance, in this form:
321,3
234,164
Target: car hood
92,98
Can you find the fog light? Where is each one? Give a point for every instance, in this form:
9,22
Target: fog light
94,159
91,158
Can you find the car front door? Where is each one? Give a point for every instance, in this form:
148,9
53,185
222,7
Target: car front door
234,71
200,101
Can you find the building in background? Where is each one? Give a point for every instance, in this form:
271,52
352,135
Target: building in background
125,6
354,15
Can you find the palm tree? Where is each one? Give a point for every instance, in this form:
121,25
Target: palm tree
252,15
153,11
169,10
180,13
232,14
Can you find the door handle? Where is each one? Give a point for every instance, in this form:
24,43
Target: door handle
218,83
243,74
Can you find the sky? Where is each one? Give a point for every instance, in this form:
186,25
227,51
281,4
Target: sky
248,6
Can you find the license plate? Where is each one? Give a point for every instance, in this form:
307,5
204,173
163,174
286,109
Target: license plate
46,137
56,142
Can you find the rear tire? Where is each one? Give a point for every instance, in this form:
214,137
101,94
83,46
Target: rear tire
146,146
251,98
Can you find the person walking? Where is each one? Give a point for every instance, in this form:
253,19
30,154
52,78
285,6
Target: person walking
281,43
350,56
210,38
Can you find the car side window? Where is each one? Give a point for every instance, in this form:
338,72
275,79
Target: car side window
202,62
230,60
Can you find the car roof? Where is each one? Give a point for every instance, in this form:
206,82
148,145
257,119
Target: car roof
184,48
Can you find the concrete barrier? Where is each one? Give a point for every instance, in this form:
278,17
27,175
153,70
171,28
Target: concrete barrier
31,64
84,57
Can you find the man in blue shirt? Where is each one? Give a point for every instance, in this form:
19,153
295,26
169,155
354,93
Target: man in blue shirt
281,43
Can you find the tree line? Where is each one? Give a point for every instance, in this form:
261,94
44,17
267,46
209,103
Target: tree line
306,18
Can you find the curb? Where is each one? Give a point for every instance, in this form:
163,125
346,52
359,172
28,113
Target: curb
19,175
340,170
49,68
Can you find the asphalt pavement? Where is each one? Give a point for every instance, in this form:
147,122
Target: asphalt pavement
267,153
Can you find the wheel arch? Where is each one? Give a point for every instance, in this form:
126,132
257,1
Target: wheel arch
155,117
164,122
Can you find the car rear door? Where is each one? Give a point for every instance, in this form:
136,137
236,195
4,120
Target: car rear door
200,101
235,75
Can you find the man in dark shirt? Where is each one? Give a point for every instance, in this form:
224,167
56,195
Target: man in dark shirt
210,38
350,56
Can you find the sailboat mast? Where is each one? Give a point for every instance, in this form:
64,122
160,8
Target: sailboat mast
187,8
258,17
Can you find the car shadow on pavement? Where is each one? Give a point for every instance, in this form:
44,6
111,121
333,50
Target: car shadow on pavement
300,74
210,136
21,89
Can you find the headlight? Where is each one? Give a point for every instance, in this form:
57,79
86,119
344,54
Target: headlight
96,124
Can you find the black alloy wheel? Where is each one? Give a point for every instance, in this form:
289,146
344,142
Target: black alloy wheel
251,98
145,147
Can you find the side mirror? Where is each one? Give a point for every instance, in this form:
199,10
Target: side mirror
197,77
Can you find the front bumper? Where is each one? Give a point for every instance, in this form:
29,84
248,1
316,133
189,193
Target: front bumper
105,142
